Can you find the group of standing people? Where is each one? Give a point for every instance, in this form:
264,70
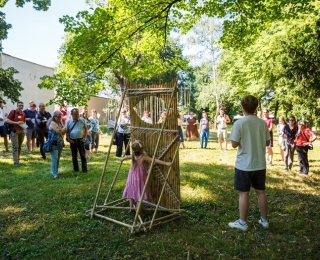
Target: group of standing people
39,125
192,132
295,136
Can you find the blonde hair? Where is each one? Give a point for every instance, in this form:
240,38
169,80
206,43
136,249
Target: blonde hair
137,149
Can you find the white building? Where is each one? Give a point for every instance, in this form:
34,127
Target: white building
29,74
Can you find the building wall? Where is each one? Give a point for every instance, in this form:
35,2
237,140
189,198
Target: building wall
29,74
99,103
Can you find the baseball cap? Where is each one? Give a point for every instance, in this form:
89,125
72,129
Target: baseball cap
301,122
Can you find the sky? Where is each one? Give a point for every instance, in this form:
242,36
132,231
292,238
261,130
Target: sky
36,36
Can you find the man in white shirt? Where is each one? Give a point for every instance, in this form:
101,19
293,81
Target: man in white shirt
222,120
3,132
251,135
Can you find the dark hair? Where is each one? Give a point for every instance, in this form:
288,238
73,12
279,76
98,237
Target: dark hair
249,103
74,109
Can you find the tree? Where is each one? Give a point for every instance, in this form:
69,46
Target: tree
283,60
10,87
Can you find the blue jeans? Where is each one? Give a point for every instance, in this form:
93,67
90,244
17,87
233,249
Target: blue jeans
55,159
204,136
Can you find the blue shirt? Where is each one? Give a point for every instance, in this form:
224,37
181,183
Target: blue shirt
78,128
95,124
32,115
121,128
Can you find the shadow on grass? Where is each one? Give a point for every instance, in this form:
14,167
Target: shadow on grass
45,218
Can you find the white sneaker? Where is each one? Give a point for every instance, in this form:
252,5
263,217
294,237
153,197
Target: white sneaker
238,225
265,224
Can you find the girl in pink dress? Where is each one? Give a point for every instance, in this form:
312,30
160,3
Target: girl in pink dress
137,174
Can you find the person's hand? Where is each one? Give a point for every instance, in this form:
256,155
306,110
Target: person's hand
28,119
169,164
306,144
83,139
20,123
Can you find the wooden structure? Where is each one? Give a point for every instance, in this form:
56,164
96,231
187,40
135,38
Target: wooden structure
160,141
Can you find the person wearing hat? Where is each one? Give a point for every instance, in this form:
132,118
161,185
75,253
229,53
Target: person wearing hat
31,132
303,140
3,132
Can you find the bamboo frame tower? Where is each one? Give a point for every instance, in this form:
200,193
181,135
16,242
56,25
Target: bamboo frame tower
160,141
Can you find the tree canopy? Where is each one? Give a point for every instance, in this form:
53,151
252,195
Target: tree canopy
9,86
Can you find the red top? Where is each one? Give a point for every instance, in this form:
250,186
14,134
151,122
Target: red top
302,136
17,116
63,114
268,121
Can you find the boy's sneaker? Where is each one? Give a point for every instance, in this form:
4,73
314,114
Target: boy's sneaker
265,224
238,225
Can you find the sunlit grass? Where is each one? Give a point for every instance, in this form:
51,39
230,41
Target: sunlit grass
45,218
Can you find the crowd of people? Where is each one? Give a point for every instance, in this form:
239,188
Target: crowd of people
39,126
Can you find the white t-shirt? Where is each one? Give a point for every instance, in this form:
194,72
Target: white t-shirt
1,116
252,134
222,121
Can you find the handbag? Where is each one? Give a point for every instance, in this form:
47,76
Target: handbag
47,146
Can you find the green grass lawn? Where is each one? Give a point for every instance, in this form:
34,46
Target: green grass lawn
44,218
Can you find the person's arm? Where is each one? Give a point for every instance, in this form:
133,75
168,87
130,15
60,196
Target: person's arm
234,144
11,122
54,126
149,159
228,119
197,122
127,157
84,138
271,126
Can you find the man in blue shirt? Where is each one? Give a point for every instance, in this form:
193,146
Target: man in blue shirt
76,136
31,132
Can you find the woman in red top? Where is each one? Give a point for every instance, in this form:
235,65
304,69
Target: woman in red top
303,139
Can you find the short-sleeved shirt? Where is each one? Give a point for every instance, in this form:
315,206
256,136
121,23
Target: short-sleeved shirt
78,128
289,134
123,129
95,124
41,119
303,136
16,116
2,117
204,123
252,134
268,121
32,115
222,121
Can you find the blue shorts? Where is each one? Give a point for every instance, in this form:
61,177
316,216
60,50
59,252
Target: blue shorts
244,180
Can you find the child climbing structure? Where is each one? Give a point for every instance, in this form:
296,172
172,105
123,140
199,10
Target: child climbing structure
161,141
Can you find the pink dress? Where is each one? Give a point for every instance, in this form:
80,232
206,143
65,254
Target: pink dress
136,179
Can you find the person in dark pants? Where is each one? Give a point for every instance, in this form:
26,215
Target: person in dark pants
303,139
41,125
123,133
76,136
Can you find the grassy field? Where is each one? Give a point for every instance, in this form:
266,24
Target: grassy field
43,218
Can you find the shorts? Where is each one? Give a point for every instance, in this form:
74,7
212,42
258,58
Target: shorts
222,133
31,133
3,131
243,180
271,139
